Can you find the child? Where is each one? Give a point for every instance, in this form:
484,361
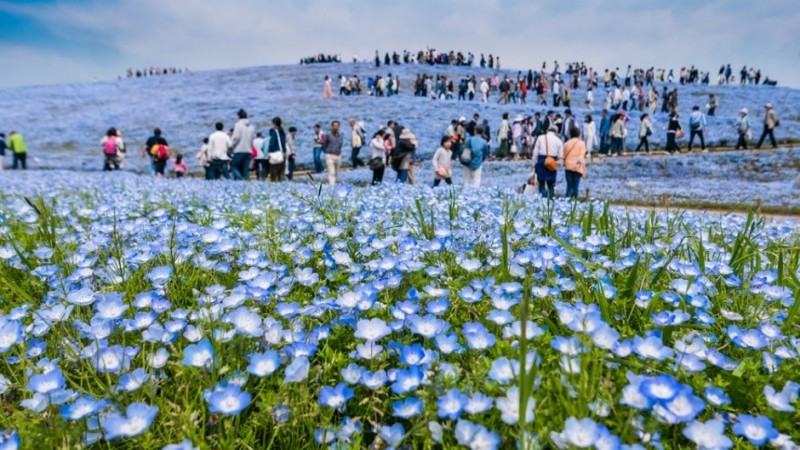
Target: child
441,162
180,166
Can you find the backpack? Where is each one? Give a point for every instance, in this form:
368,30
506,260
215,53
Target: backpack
110,147
160,152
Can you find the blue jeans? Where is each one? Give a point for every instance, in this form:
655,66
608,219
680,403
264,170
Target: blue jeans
573,180
547,189
402,176
219,169
153,166
290,175
318,165
241,166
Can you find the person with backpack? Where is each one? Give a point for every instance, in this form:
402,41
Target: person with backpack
3,147
219,144
697,124
276,150
161,155
472,157
743,129
333,152
574,163
645,130
548,151
770,122
16,143
356,141
242,146
441,162
112,146
152,141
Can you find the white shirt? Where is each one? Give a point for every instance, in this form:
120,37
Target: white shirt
257,143
218,144
549,145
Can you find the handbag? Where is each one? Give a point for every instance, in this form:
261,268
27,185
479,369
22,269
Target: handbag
550,163
276,157
375,163
679,134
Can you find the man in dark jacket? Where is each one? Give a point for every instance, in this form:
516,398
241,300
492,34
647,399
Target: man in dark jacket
333,152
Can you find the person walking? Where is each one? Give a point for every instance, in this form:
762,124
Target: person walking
697,124
16,143
356,141
332,147
673,131
405,151
645,130
242,145
260,164
473,156
377,161
589,134
713,103
319,142
276,151
617,134
327,89
3,147
291,153
180,166
503,137
441,162
112,146
147,150
770,122
219,144
548,146
574,162
743,129
605,129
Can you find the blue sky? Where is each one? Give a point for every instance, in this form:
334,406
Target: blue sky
56,41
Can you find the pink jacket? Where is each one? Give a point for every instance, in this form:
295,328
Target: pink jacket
574,154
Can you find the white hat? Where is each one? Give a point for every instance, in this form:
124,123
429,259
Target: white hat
743,111
768,105
462,119
518,118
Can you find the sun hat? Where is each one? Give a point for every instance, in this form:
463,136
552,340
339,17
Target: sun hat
518,118
743,111
768,105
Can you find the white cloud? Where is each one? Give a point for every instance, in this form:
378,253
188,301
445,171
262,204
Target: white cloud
204,34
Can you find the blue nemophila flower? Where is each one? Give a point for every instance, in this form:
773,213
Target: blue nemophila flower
199,355
477,336
373,380
352,373
632,394
407,380
667,318
392,435
427,326
372,329
716,396
757,430
229,401
137,419
503,371
185,444
9,440
263,364
509,407
413,355
281,413
81,297
408,408
5,383
752,339
782,401
245,322
335,397
368,350
296,371
10,333
683,407
475,436
46,382
479,403
159,276
110,307
709,435
37,403
661,388
651,347
581,433
81,407
324,435
133,380
451,404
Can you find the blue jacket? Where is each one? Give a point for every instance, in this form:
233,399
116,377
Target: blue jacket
605,125
479,148
2,147
697,120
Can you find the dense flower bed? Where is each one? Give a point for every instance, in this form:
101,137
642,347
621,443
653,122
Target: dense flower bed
149,313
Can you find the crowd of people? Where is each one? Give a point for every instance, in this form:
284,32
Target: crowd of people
432,57
15,144
153,72
321,59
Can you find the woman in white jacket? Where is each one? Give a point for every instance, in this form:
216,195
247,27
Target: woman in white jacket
645,130
589,134
377,159
441,162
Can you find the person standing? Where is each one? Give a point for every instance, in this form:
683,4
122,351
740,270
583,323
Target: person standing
589,134
477,148
155,139
569,124
219,144
617,134
205,161
713,103
16,143
673,128
697,124
605,129
3,147
405,152
377,161
441,162
645,130
260,159
332,147
276,151
550,146
574,161
327,89
112,146
770,122
652,100
743,129
356,141
291,153
590,98
503,135
242,144
319,141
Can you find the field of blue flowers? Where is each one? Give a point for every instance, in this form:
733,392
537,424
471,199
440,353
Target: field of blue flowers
140,313
63,123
